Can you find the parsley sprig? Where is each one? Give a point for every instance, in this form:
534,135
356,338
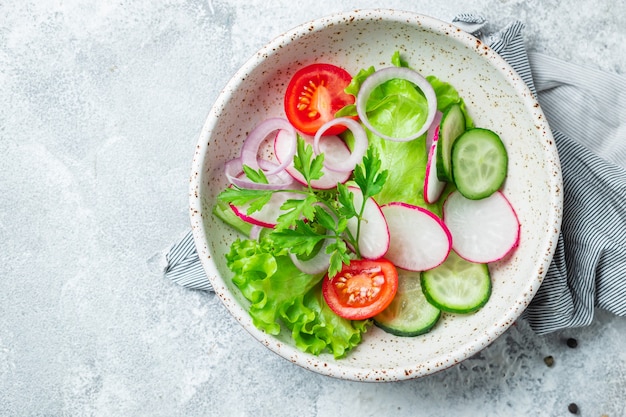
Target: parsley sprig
316,215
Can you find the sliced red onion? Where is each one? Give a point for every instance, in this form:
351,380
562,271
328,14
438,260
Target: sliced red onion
358,151
250,149
255,232
333,148
390,73
233,170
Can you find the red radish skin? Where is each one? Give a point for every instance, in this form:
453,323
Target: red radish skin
374,235
419,240
241,213
483,230
332,146
432,134
433,186
268,215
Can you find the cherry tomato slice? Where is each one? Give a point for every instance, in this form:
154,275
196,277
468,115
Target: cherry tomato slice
362,289
313,96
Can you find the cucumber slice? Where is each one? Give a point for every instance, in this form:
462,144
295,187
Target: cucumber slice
451,127
457,285
480,163
409,314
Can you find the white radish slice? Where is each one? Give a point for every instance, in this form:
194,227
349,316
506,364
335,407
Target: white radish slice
332,147
317,264
374,233
419,239
433,186
483,230
268,215
432,134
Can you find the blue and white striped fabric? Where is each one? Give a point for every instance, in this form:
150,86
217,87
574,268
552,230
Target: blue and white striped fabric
586,109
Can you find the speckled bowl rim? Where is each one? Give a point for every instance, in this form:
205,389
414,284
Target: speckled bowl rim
336,368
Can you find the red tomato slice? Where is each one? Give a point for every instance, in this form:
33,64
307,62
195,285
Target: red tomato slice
362,289
314,94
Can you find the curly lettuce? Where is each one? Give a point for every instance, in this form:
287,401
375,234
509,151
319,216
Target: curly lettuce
281,295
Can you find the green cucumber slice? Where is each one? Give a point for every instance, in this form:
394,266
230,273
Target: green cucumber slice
479,163
409,314
451,127
457,285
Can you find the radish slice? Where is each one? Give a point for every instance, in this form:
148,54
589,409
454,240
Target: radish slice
419,239
316,265
374,233
483,230
390,73
331,146
433,186
360,144
432,135
268,215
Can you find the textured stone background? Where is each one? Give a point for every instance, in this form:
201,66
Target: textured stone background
101,103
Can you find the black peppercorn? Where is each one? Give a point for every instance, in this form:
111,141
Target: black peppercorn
549,361
571,342
572,408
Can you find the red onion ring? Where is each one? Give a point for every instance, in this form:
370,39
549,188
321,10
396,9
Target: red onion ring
255,231
255,138
390,73
233,170
360,144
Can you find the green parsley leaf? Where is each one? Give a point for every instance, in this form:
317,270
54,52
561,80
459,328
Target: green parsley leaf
368,175
301,240
324,218
345,197
256,199
306,164
294,210
255,176
338,256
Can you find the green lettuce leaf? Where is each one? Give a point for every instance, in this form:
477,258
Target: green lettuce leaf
448,95
281,295
398,108
325,330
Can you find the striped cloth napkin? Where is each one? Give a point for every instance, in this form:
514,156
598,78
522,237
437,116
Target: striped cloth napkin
586,109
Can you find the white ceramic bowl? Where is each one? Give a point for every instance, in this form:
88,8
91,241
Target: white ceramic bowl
496,97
